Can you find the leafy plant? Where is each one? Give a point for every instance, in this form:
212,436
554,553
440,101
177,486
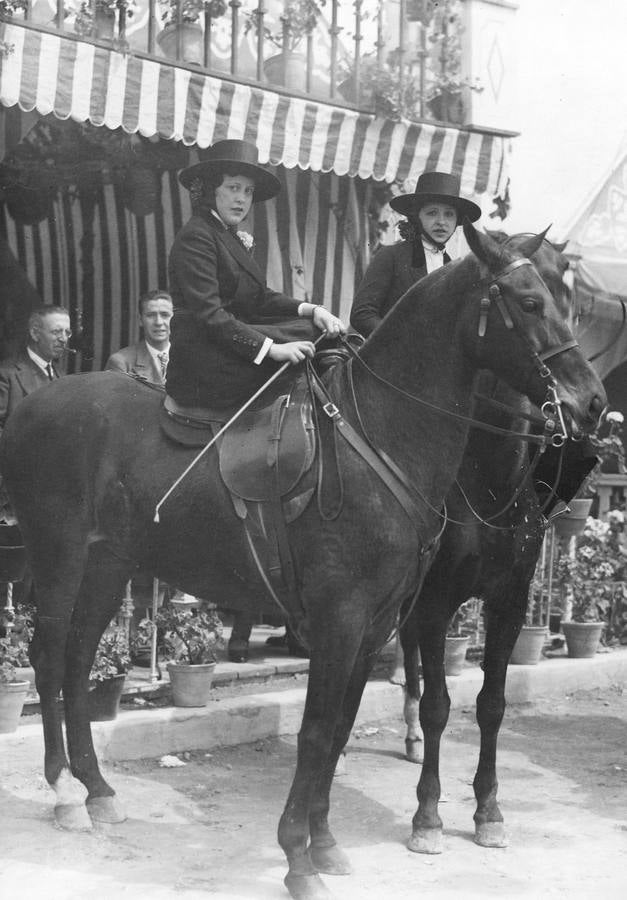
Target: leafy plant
607,443
10,7
191,10
85,20
190,636
11,658
113,655
298,19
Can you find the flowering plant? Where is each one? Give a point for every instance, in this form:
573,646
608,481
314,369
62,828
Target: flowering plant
591,577
247,240
190,636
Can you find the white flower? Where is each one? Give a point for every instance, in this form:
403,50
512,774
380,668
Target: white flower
614,416
246,239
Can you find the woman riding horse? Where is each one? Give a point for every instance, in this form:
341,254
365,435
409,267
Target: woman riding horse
230,332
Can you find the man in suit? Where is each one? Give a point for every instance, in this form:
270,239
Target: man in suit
148,358
433,213
37,364
34,367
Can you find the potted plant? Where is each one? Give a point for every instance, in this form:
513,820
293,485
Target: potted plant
190,638
588,579
446,84
96,18
461,626
13,687
297,20
527,650
182,36
377,86
108,672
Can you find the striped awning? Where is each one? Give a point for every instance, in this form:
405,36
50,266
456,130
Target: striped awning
51,73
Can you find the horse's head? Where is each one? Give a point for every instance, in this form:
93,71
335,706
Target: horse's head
514,301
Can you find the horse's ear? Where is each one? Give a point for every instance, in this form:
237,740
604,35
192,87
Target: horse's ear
482,245
561,246
532,244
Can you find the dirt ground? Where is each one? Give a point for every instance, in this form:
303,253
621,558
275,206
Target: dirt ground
207,828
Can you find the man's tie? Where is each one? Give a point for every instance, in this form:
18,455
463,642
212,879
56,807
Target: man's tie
163,360
50,371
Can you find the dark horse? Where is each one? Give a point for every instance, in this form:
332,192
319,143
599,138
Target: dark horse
85,464
497,516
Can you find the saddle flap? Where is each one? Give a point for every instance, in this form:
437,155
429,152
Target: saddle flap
269,449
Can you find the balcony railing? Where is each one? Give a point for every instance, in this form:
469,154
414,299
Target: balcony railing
398,58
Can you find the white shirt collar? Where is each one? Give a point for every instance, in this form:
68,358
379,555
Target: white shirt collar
39,360
434,258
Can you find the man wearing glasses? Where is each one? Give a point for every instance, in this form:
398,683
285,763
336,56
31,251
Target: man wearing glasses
49,333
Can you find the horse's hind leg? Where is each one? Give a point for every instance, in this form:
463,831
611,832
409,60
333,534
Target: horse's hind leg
56,586
100,595
503,623
408,636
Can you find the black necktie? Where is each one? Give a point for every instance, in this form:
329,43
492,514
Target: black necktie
50,372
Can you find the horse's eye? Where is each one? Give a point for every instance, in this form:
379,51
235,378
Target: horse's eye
529,305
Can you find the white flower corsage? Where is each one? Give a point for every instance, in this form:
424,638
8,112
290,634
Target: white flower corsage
247,240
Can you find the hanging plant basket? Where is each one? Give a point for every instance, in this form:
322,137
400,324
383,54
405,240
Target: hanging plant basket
142,190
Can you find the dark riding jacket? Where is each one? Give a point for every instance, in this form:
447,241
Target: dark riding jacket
223,311
392,271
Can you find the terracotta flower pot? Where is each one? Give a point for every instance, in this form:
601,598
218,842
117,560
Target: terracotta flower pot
104,698
191,685
287,69
191,42
572,523
582,638
12,699
528,647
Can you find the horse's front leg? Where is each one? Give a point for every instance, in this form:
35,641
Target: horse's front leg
99,598
434,710
324,851
334,647
502,629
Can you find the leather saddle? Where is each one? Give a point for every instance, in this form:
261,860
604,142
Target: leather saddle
265,452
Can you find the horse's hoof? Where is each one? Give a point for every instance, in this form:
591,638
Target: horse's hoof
412,746
426,840
491,834
105,809
307,887
238,651
330,860
72,817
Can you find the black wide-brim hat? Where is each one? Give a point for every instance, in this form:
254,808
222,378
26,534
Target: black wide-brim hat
244,157
436,187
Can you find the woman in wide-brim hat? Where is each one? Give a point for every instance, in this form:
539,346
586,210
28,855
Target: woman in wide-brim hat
433,212
230,332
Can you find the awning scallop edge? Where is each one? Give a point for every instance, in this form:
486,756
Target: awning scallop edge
73,79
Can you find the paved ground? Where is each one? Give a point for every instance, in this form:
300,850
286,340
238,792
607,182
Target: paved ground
207,828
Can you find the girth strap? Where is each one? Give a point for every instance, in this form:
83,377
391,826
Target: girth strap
390,478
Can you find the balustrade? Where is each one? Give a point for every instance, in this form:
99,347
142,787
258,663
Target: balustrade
388,57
